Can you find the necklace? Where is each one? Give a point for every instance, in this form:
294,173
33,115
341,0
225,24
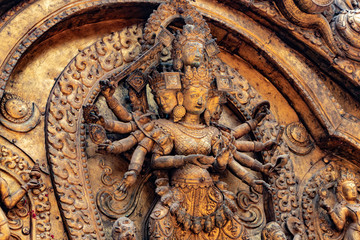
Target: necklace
198,131
193,126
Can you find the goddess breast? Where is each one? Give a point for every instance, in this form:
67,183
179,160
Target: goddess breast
193,139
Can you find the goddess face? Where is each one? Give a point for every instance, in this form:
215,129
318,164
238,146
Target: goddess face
349,190
195,99
166,100
192,53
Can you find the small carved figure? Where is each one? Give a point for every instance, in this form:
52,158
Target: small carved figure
273,231
10,200
123,229
346,212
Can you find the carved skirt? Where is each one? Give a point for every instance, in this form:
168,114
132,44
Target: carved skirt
200,216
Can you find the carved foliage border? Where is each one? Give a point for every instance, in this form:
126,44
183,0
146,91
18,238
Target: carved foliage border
65,132
40,29
285,203
321,43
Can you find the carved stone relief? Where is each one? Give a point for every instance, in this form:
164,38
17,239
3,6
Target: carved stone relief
180,120
24,196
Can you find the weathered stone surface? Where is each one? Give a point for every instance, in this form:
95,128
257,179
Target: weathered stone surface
57,56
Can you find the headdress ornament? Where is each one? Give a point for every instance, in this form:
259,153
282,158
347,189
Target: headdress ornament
164,80
200,76
346,176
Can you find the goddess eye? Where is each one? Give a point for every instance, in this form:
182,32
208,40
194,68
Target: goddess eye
191,49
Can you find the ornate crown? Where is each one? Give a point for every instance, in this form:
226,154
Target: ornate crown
157,81
191,32
346,176
196,76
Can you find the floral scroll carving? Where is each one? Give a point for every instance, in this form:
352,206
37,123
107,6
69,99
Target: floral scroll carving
77,86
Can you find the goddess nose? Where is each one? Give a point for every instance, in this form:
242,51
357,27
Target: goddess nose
200,101
197,52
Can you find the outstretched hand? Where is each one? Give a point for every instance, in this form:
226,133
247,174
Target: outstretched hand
107,89
261,110
268,168
261,114
324,201
200,160
325,205
268,145
259,184
105,147
129,180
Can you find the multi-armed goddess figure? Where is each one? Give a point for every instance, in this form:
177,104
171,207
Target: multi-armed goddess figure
186,149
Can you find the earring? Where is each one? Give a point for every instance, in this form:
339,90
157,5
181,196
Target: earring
177,64
207,117
179,112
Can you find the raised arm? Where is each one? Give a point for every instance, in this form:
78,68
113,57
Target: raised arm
244,128
136,163
339,216
252,163
118,109
260,112
127,143
117,126
248,178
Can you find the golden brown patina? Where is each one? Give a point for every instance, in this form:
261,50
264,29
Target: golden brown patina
186,150
152,120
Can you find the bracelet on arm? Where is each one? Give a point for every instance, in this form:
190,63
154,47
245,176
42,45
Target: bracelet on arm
252,124
136,167
258,146
25,187
179,160
133,126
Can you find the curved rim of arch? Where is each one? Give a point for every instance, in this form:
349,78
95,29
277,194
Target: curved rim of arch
331,117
